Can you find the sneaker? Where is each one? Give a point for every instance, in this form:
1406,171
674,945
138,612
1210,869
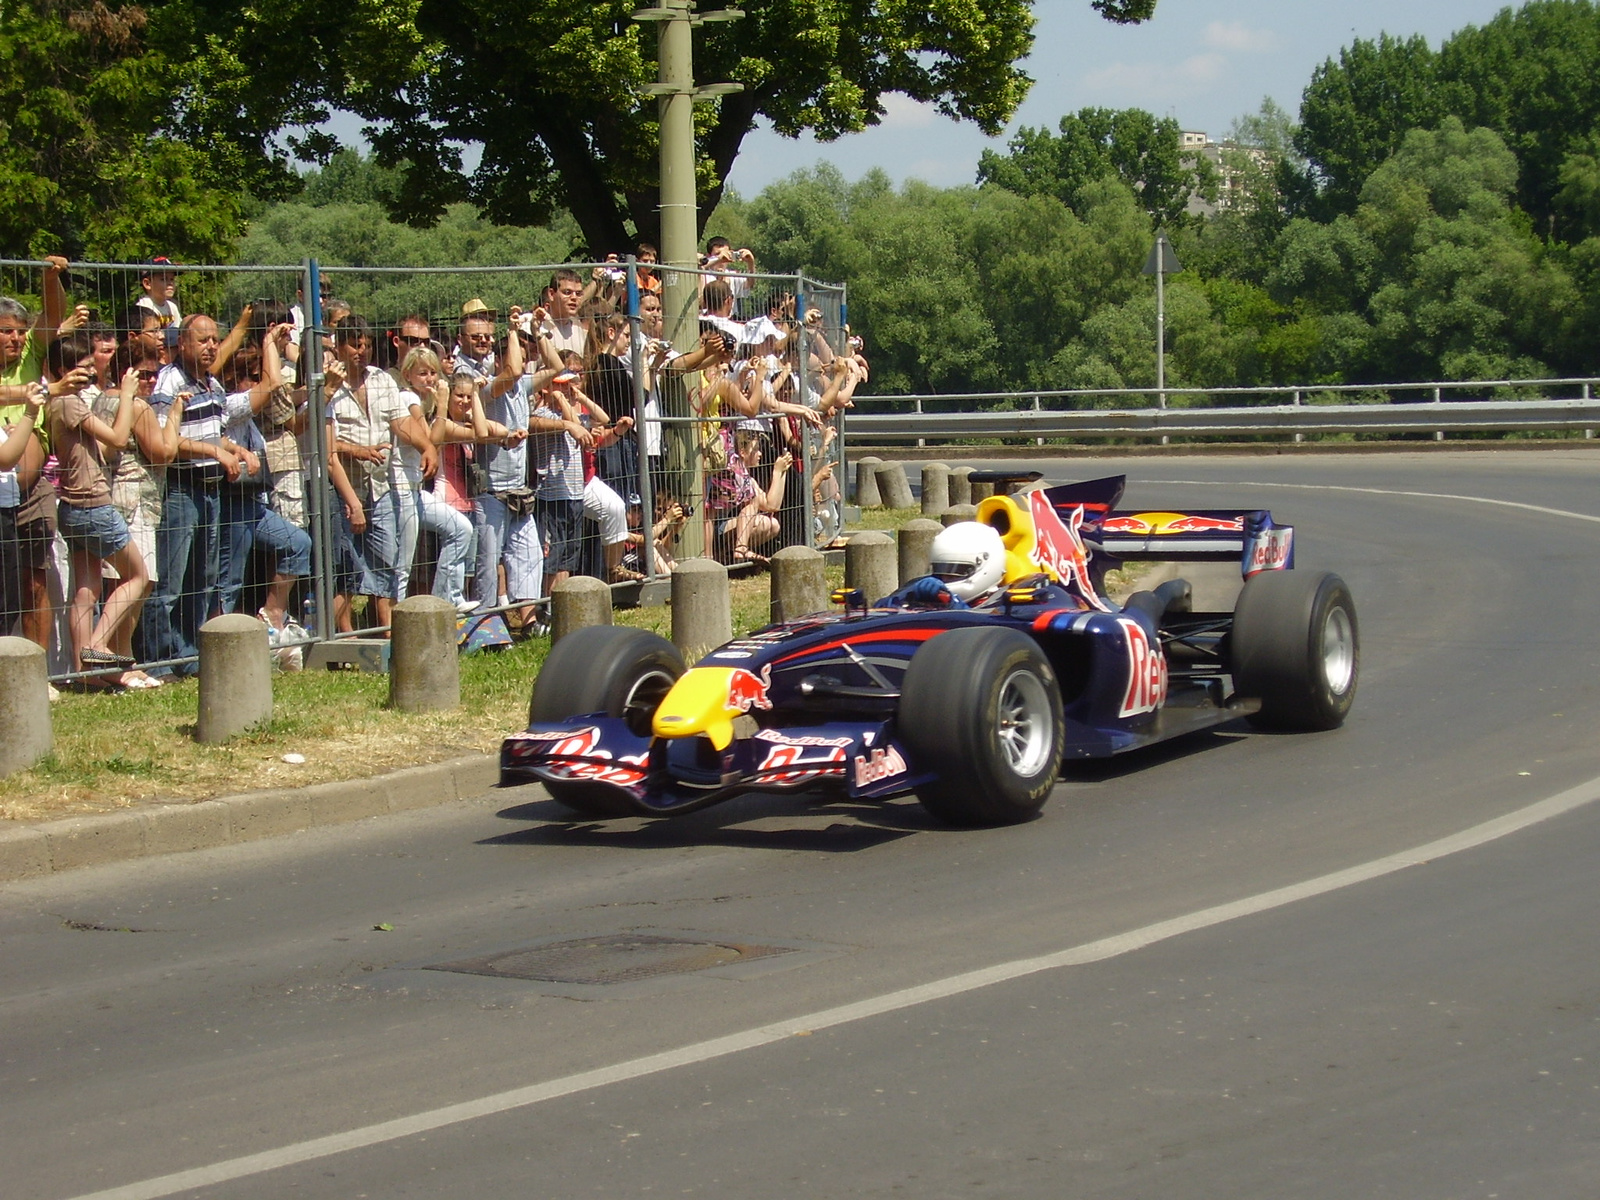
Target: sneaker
463,607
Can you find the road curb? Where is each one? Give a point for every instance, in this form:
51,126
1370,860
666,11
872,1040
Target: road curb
28,851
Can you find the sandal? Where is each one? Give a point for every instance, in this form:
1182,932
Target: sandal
624,575
745,554
94,656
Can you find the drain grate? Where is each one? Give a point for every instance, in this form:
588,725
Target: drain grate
621,958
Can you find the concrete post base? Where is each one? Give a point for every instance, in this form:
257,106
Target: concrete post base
424,662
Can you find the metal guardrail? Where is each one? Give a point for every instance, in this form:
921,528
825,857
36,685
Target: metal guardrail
1065,415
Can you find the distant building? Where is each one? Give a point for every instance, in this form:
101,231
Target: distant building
1225,156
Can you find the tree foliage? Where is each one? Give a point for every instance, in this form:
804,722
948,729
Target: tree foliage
85,168
1129,144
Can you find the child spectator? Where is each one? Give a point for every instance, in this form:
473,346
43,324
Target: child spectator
159,283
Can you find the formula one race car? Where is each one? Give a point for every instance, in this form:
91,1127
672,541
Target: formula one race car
968,687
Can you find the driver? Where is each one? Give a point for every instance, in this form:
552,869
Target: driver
968,562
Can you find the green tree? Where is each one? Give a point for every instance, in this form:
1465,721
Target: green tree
1129,144
84,168
556,93
1355,113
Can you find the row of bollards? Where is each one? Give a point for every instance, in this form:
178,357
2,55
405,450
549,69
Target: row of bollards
882,484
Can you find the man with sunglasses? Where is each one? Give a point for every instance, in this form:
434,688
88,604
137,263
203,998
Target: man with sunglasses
474,351
411,333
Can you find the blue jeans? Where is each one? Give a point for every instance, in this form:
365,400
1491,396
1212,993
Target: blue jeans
247,522
367,560
455,533
187,557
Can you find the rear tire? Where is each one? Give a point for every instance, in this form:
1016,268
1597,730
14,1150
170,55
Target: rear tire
1296,647
609,669
981,707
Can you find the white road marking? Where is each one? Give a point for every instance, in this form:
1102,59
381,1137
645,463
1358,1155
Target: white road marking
1371,491
766,1035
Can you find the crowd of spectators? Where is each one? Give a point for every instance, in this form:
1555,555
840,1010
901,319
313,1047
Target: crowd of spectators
166,460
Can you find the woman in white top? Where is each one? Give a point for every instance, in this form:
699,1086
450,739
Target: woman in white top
426,393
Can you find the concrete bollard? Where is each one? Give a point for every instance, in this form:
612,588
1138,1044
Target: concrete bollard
894,487
869,564
867,482
799,583
424,663
961,485
915,539
235,677
935,489
958,512
980,491
702,611
577,602
25,732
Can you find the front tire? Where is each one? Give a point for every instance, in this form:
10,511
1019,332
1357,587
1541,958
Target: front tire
1296,647
609,669
981,707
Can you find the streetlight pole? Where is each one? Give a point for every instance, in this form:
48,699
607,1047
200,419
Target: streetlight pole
1163,261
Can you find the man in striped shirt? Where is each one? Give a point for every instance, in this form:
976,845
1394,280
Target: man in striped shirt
191,517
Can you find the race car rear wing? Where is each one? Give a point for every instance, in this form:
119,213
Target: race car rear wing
1249,538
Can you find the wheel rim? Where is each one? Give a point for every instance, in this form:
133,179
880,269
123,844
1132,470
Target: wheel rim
644,697
1338,651
1025,730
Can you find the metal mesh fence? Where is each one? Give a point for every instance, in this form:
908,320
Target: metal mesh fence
313,445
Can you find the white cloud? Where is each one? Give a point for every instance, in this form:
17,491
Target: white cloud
1146,81
902,112
1232,35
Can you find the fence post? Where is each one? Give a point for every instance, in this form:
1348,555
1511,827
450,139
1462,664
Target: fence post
1037,441
319,507
1438,398
1299,437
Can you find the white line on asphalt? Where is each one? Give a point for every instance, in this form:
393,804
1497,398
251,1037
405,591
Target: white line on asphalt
766,1035
1336,487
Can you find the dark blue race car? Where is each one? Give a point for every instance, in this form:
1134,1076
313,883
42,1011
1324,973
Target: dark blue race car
972,704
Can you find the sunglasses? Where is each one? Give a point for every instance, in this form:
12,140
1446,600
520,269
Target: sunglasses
149,376
413,341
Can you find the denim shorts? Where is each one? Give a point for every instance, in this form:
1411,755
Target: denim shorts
100,530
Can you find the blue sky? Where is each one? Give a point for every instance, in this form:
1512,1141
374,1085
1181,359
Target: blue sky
1203,62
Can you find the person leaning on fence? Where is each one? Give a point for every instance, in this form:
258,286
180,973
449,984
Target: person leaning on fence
509,537
558,438
188,538
426,394
364,418
457,425
601,502
94,530
27,499
248,519
136,473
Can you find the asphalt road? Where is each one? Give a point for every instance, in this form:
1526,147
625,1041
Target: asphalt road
1171,985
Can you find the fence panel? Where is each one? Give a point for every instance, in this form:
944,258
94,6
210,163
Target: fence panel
452,466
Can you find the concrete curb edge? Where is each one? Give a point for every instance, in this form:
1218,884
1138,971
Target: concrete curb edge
29,851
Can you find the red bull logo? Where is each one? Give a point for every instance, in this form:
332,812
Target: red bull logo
1156,524
1059,548
585,743
801,766
1147,672
1270,551
883,763
747,690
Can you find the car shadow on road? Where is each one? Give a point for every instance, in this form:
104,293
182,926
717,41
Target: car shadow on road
793,821
1107,770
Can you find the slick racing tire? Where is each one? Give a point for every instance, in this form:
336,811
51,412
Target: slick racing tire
608,669
981,708
1296,647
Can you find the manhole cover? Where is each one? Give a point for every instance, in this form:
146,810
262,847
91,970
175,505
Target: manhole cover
622,958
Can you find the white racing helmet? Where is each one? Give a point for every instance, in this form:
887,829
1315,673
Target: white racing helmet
969,557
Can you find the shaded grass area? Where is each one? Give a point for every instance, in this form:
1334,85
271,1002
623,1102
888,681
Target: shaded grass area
118,751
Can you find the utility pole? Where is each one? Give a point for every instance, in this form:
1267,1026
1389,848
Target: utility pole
680,219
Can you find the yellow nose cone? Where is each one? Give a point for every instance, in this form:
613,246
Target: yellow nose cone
702,702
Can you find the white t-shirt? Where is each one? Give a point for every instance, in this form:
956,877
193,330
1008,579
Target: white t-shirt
371,427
